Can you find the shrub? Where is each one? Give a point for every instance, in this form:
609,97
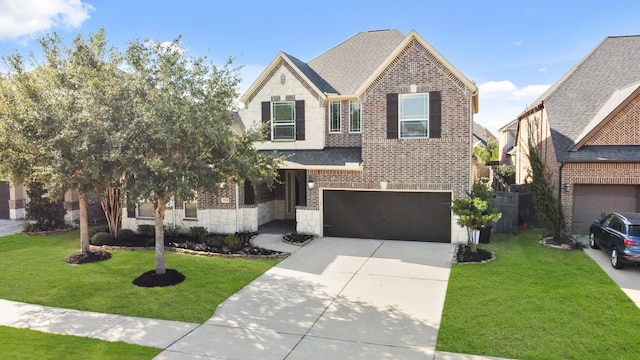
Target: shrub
147,230
48,214
215,242
101,238
98,229
171,230
198,232
126,236
232,243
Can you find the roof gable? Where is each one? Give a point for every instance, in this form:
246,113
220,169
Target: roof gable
575,102
616,123
414,38
310,80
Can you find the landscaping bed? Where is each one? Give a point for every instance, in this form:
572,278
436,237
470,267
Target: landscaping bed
197,242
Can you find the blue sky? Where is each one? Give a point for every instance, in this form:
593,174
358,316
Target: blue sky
513,50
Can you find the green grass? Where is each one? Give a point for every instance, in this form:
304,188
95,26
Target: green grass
537,303
29,344
34,271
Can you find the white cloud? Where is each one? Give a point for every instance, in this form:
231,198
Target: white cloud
542,69
502,101
21,18
517,42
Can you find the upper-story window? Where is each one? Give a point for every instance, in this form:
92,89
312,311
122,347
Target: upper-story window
283,120
355,122
335,120
414,115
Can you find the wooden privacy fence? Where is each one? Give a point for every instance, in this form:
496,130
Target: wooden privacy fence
507,204
517,208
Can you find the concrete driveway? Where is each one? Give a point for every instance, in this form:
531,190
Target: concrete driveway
627,278
334,298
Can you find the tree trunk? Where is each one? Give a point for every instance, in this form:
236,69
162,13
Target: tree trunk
158,214
84,223
113,210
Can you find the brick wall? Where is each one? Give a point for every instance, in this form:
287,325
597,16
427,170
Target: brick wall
622,129
434,163
344,138
596,173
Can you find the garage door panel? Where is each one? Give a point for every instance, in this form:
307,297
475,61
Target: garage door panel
590,202
387,215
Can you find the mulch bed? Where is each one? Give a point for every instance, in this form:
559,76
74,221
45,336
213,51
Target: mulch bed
464,255
79,257
297,239
152,279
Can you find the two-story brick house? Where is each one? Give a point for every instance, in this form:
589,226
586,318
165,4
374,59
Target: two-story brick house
587,128
377,136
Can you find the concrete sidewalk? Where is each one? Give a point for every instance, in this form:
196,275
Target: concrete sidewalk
10,227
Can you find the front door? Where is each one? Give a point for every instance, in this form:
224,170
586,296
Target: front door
290,187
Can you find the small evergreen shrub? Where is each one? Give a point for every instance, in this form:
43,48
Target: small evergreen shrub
198,232
98,229
232,243
101,238
147,230
126,236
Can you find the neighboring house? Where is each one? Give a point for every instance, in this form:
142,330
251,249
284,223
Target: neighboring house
507,142
587,127
377,135
481,137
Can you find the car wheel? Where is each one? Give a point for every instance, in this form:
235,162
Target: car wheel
592,241
615,261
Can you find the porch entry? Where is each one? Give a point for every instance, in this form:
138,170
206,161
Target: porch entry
295,192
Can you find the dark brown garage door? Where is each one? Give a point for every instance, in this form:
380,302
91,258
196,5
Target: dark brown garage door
4,199
591,201
389,215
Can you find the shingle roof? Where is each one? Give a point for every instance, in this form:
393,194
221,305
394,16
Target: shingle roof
348,65
575,100
329,156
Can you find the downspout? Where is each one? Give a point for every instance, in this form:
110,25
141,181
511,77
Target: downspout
560,182
237,210
173,211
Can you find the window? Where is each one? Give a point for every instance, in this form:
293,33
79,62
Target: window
190,210
334,117
414,116
355,125
145,209
283,120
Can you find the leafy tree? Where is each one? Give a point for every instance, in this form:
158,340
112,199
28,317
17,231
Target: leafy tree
548,206
181,139
488,153
62,121
475,212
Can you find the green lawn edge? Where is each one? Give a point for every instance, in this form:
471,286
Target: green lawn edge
29,344
534,302
34,271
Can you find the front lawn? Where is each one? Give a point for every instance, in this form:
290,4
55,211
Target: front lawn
34,271
28,344
534,302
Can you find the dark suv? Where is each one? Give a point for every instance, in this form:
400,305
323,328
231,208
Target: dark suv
619,234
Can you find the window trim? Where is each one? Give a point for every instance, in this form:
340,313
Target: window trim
333,130
359,130
184,210
291,122
401,97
